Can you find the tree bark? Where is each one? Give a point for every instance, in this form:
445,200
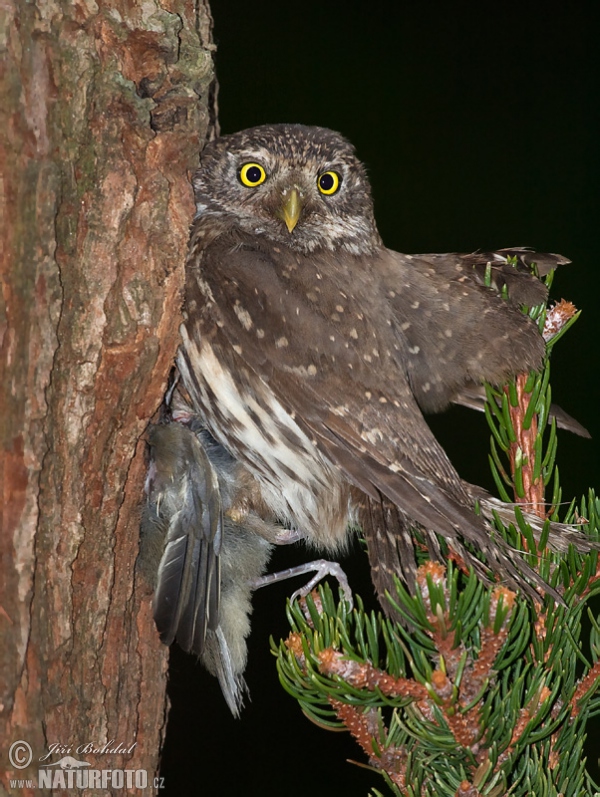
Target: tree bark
104,106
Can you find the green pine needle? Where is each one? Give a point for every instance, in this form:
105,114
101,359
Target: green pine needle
468,683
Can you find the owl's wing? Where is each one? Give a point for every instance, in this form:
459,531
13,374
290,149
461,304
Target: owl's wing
298,327
321,343
183,522
491,339
514,271
474,397
458,330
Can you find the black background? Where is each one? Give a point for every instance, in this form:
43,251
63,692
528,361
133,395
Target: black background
478,123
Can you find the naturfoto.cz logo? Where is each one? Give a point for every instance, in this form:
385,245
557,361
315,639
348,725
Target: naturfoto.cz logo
72,773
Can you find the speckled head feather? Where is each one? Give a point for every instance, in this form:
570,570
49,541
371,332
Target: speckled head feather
293,156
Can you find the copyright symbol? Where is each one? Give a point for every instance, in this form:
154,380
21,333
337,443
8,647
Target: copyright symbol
20,755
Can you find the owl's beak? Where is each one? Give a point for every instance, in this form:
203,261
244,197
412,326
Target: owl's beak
291,208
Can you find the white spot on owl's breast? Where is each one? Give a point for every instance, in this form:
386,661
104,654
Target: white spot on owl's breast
373,435
205,290
243,316
342,410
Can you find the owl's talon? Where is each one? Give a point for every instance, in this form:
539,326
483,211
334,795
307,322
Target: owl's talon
289,536
320,567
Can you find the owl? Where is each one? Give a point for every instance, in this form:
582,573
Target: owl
310,352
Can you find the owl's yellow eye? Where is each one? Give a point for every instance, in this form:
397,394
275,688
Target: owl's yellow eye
329,182
252,174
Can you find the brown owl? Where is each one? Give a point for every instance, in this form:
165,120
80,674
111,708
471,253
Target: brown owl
310,351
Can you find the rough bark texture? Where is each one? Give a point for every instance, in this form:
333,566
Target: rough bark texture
103,108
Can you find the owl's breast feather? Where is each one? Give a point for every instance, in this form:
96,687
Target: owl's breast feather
299,484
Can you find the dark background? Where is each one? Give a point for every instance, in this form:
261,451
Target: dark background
479,128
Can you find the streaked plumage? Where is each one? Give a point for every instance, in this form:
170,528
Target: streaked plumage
310,352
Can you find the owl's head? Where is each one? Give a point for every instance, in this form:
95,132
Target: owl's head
299,186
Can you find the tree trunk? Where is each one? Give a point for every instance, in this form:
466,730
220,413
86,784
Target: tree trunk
104,106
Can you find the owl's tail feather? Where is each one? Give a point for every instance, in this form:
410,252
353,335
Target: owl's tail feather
474,397
560,537
390,536
391,543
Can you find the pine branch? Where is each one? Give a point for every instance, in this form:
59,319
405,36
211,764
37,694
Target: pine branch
477,693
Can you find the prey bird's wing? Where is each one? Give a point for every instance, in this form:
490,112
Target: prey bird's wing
184,514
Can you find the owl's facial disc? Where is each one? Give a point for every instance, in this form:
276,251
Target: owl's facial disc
302,187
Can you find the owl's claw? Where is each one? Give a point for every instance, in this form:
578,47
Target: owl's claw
320,567
323,568
289,536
